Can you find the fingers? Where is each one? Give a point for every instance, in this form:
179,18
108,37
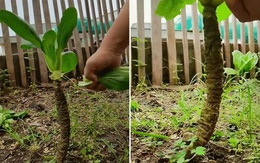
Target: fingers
239,10
245,10
253,8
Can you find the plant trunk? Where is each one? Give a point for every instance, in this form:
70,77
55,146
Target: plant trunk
215,77
64,122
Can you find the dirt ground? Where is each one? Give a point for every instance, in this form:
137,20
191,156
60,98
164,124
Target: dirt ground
161,111
99,126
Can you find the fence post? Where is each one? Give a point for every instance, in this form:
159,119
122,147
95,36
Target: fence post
172,53
140,40
156,41
227,43
20,51
39,29
185,46
196,40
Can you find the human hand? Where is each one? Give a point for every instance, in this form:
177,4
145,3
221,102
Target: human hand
98,63
245,10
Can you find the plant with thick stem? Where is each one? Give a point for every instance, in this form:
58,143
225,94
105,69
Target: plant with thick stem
213,59
58,62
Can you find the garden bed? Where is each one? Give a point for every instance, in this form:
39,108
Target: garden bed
99,126
164,116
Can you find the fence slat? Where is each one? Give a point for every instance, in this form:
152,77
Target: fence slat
94,18
8,51
141,40
101,19
251,39
258,38
251,43
20,51
56,11
39,29
227,43
122,3
243,38
118,6
172,53
30,57
234,33
196,40
89,27
84,32
185,46
156,41
46,12
105,15
112,11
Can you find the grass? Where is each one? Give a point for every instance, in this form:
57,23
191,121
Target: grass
99,126
175,113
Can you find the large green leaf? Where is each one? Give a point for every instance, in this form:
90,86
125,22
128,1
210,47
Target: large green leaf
116,79
222,11
230,71
27,45
49,50
244,62
20,27
249,61
169,9
69,61
237,59
66,26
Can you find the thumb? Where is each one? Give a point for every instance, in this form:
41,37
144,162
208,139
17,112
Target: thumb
89,73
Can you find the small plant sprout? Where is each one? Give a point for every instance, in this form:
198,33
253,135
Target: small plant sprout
243,63
58,62
7,117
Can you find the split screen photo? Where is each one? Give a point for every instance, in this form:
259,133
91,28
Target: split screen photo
129,81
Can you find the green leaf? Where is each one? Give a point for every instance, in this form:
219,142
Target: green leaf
169,9
237,59
200,151
116,79
178,143
85,82
193,139
231,71
249,61
181,156
67,24
233,142
244,63
2,118
157,136
49,50
181,160
27,45
222,11
21,114
20,27
69,61
6,111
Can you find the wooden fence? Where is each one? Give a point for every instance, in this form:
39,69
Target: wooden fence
158,47
94,19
